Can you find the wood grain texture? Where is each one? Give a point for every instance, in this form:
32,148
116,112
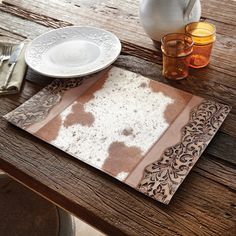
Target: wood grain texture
206,82
224,45
89,193
47,160
222,11
216,170
55,8
222,144
205,203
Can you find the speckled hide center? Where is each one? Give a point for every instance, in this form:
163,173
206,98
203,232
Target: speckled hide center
125,118
143,132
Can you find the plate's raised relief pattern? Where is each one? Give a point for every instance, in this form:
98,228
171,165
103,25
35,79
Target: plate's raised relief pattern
37,108
106,41
162,178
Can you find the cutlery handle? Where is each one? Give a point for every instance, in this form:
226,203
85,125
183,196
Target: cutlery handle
1,60
8,76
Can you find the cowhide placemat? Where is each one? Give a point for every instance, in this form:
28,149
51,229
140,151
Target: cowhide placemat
142,132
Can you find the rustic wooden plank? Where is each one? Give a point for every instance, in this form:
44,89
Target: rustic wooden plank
100,200
39,18
204,87
7,36
208,11
223,10
21,27
224,44
38,155
223,147
121,11
229,125
153,71
210,8
80,16
223,54
128,11
219,171
103,201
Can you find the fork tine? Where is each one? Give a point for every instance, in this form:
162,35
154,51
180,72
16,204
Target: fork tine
9,50
4,50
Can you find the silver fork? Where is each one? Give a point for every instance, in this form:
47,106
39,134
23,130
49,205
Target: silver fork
6,53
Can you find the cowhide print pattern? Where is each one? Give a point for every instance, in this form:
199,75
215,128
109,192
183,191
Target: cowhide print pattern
113,124
142,132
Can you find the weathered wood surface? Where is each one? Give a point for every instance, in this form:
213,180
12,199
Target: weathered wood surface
206,202
220,74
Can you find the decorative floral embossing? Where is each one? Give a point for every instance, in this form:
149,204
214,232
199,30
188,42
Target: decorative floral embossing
109,47
162,178
37,108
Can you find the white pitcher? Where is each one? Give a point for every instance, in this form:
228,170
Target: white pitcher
161,17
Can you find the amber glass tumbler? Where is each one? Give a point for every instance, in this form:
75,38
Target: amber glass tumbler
176,49
204,35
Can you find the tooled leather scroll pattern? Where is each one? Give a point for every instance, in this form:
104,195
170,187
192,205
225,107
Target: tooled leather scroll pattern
37,108
162,178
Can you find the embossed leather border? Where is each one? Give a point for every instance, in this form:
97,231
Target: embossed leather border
162,178
37,108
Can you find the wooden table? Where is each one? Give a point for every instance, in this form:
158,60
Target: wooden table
205,204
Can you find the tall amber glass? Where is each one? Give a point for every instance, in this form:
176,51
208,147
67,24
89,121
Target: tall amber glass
204,36
176,49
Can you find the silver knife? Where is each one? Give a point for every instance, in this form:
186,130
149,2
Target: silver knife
12,62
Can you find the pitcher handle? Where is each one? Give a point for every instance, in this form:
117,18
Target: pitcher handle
189,8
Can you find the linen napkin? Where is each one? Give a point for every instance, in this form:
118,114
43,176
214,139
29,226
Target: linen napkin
17,76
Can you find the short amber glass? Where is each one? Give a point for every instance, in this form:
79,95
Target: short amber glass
204,35
176,49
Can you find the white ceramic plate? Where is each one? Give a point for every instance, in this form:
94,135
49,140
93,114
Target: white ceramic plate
72,51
